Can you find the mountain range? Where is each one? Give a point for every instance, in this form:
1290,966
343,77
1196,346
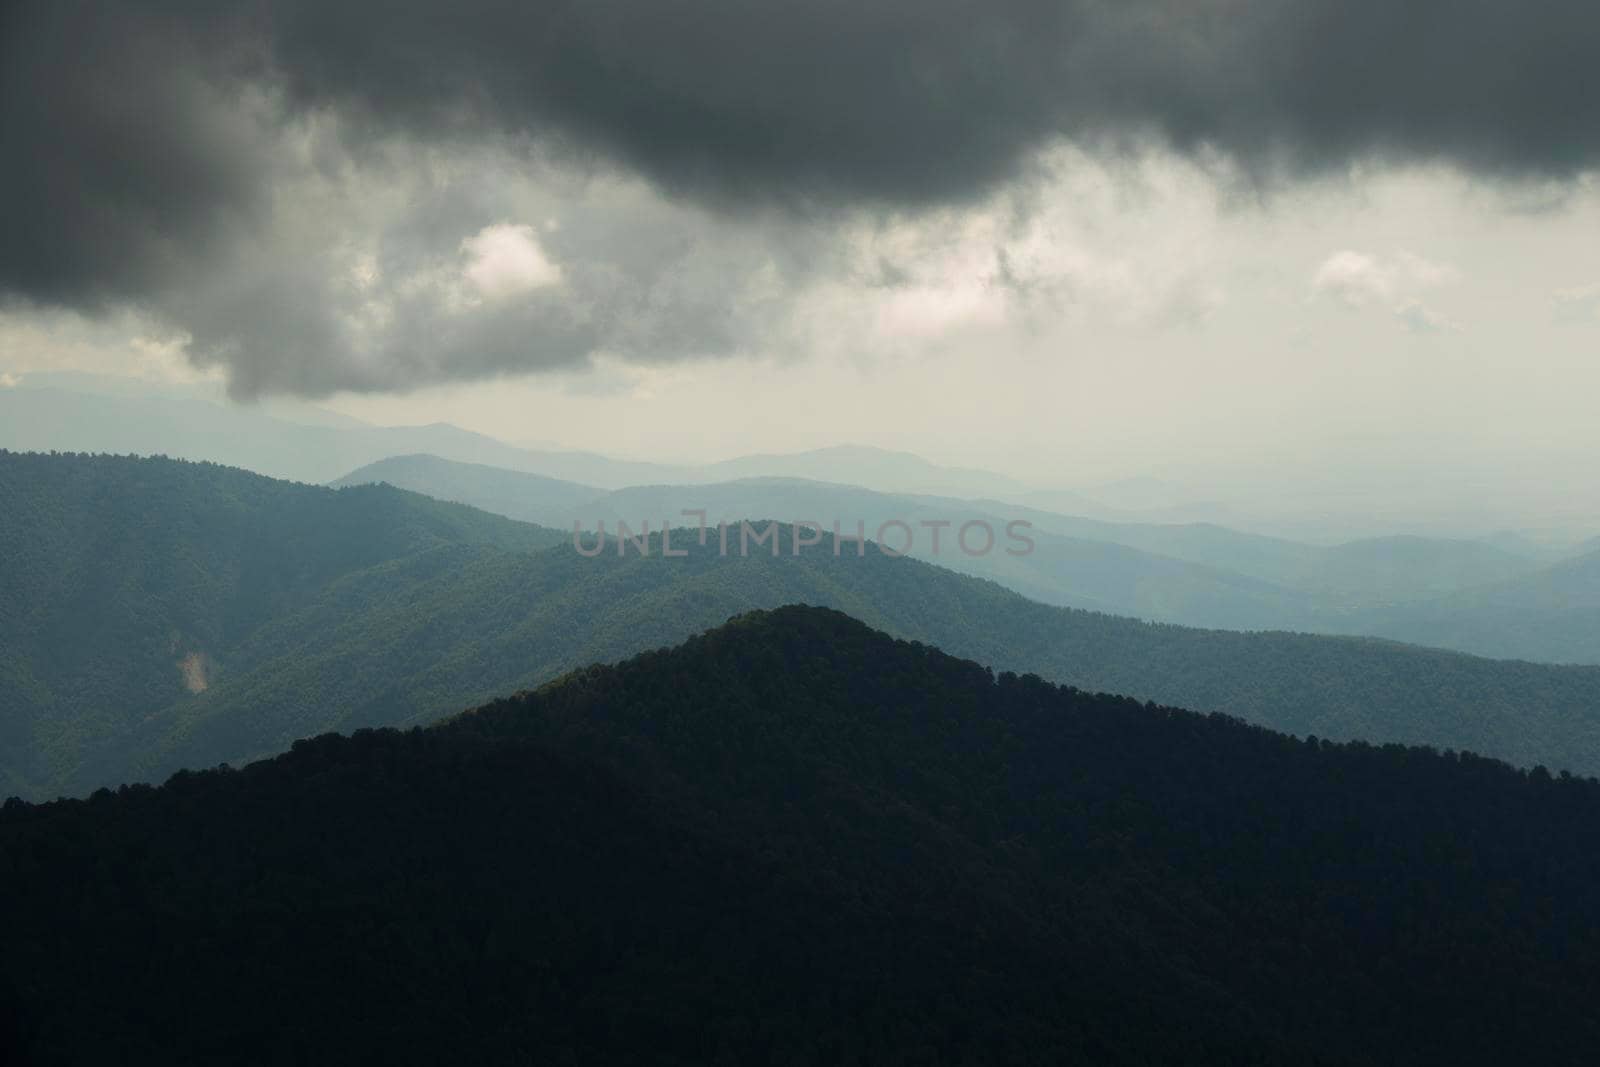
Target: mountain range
228,615
1464,595
304,442
795,840
127,582
298,441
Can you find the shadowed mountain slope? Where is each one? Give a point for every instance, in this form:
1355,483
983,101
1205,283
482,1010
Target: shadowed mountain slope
794,840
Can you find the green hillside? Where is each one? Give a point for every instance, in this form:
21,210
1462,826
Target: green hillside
794,840
408,641
385,608
127,583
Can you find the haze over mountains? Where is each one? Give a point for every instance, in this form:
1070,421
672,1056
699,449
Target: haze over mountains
1447,593
915,533
295,440
1551,614
162,614
69,412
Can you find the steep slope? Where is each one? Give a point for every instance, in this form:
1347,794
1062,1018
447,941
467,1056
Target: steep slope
126,582
514,494
796,840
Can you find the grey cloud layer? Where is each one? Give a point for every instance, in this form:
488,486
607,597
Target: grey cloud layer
151,144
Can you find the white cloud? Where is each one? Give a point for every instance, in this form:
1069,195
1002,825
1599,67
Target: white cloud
1125,250
506,259
1393,283
9,381
931,311
1354,278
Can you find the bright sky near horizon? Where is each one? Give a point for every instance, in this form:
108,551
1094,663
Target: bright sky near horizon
1210,265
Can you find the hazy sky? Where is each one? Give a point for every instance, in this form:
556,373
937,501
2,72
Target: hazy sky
1218,239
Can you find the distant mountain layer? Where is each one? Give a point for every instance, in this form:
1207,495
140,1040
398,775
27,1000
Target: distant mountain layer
877,468
514,494
162,614
88,414
1194,574
794,840
1552,615
186,427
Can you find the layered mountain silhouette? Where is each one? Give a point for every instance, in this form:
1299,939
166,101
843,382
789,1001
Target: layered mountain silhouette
796,840
284,439
1551,615
1190,573
161,614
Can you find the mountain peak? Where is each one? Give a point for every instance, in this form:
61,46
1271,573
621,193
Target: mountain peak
793,818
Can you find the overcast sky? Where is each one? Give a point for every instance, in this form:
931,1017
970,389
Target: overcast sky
1216,239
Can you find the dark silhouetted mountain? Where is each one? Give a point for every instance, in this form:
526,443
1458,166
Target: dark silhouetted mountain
794,840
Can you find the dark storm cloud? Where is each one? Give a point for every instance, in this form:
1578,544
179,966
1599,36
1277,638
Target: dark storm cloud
919,100
141,141
121,156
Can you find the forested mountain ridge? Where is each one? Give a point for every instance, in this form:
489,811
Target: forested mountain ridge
385,627
126,583
408,641
794,840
